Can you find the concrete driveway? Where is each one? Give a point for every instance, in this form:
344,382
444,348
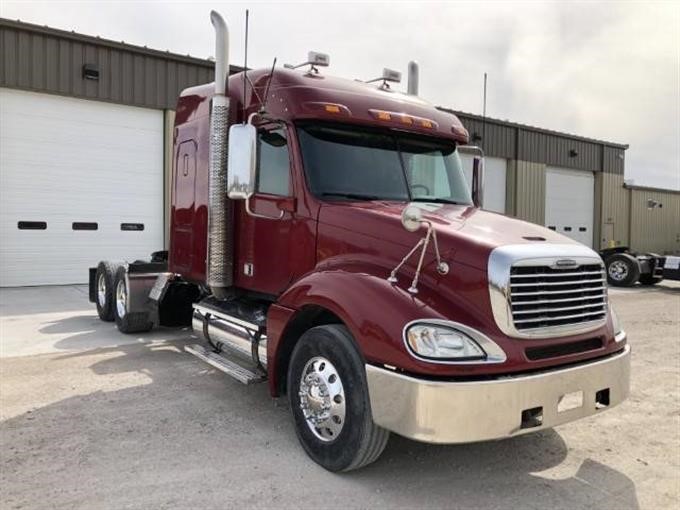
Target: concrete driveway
95,419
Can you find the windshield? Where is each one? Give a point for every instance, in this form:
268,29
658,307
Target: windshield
344,162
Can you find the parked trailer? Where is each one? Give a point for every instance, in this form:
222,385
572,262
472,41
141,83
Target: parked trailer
324,240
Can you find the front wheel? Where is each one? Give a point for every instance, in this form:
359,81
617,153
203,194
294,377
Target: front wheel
328,396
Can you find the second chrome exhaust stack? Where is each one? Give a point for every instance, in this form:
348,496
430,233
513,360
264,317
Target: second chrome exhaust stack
220,264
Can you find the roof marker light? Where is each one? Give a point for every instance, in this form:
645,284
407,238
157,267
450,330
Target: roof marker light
323,107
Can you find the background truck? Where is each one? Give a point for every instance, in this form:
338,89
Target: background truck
625,267
325,240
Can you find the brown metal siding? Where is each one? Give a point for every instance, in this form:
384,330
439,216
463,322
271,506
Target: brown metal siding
530,192
47,60
498,140
508,140
658,229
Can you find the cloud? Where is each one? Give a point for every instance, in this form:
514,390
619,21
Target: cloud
607,70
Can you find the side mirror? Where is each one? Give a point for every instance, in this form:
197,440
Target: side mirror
241,161
411,218
478,181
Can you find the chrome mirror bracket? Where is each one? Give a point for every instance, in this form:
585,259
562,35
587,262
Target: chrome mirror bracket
250,212
423,243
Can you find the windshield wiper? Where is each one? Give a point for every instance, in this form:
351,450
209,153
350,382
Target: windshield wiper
438,200
353,196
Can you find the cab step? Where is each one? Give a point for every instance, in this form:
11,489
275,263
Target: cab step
229,367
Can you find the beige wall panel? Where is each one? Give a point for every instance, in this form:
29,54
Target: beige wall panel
530,192
658,229
614,210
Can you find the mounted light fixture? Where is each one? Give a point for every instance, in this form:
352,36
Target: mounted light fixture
90,72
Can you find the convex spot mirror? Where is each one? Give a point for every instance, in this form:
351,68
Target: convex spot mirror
242,161
411,218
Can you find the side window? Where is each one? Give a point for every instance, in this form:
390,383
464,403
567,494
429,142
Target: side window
273,176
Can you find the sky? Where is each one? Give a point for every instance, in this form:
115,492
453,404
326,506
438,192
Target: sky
605,70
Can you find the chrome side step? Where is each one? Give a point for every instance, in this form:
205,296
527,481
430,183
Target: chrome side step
241,374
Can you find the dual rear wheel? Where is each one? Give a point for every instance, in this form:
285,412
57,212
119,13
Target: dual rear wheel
112,299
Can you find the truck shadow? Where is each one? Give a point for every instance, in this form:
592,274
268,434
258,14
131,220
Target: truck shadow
159,428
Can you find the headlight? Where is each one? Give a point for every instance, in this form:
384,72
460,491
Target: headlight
441,342
619,334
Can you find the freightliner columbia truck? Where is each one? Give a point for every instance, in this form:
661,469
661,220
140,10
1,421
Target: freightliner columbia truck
325,240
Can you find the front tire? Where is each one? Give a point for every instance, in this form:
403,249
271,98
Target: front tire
126,321
623,270
328,396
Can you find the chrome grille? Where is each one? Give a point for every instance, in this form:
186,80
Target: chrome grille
542,296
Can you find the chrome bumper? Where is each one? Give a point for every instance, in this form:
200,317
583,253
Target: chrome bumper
463,412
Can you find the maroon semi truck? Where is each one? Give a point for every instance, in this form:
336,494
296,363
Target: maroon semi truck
324,239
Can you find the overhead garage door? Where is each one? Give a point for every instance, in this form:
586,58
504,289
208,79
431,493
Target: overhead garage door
569,203
495,170
80,181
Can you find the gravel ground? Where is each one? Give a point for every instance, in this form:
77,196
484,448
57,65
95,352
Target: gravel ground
93,419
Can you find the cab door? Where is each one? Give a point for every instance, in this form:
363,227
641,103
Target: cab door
265,241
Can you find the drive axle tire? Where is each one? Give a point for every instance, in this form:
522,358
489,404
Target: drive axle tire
136,322
623,270
103,280
328,396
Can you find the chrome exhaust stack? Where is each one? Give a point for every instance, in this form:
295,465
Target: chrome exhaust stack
220,264
413,72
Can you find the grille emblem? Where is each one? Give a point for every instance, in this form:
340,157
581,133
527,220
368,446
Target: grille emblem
565,263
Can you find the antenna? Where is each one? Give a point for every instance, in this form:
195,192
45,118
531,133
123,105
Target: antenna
245,69
266,91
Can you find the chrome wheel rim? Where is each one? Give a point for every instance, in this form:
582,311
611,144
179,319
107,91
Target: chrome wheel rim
618,270
101,290
121,299
322,399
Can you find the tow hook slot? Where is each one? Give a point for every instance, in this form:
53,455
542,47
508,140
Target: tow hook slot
602,399
532,418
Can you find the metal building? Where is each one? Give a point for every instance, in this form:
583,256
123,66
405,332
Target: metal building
85,161
86,138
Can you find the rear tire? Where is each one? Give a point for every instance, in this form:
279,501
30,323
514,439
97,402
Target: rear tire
327,370
135,322
103,280
623,270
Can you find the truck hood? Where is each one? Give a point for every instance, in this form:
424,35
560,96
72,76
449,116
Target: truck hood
466,234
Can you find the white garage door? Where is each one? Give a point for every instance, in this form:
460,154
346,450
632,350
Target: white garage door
569,203
80,181
495,170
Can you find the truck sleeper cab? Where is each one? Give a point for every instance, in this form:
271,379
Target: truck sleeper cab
355,272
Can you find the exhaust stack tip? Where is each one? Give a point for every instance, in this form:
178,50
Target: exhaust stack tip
221,52
412,87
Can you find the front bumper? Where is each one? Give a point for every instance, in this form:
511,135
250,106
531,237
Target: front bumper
463,412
